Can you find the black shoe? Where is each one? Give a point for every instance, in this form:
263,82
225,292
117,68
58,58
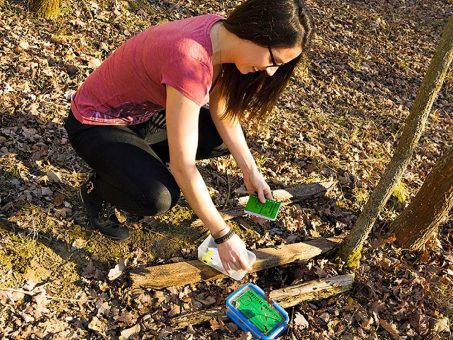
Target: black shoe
94,207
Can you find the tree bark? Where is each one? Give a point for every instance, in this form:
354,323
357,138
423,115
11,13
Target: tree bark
351,249
187,272
286,297
47,9
429,208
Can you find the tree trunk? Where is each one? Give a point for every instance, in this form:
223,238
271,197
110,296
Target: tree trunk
351,249
429,207
48,9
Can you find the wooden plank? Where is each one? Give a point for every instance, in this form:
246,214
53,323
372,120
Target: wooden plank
312,290
286,196
187,272
286,297
298,192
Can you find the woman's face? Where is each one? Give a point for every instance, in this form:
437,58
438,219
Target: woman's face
255,58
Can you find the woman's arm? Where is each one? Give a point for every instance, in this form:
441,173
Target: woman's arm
233,136
182,129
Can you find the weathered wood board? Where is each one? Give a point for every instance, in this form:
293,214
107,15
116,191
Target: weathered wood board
187,272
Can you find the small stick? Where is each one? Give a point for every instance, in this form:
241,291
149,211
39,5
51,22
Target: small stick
31,293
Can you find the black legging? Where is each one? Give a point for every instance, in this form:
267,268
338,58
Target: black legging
129,161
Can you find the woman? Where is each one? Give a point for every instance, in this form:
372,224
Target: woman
143,108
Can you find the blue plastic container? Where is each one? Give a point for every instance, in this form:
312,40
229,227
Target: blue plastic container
248,308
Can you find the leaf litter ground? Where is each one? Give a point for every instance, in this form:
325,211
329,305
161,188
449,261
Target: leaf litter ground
339,119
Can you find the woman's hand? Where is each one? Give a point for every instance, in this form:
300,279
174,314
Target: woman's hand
233,254
255,183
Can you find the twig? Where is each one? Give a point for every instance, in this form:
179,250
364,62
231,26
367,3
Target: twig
242,222
31,293
291,325
228,192
150,230
87,9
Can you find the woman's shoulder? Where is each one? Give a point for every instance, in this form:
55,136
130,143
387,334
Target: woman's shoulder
204,19
188,38
191,25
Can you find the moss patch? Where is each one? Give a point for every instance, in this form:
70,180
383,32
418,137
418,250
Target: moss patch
353,259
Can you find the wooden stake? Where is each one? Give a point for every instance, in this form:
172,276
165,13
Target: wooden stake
286,297
187,272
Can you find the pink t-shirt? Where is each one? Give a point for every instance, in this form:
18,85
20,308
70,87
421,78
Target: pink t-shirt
129,86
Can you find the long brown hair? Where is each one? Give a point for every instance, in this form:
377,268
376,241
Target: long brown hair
273,23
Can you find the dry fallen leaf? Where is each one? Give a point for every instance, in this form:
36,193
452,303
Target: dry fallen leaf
175,310
94,63
55,326
16,296
80,243
441,325
29,285
45,191
54,176
23,44
207,301
3,297
391,328
103,307
129,332
97,325
127,318
300,321
118,270
245,336
425,256
89,270
58,199
214,324
232,327
41,305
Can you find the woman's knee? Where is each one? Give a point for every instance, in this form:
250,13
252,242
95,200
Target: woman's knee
159,200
